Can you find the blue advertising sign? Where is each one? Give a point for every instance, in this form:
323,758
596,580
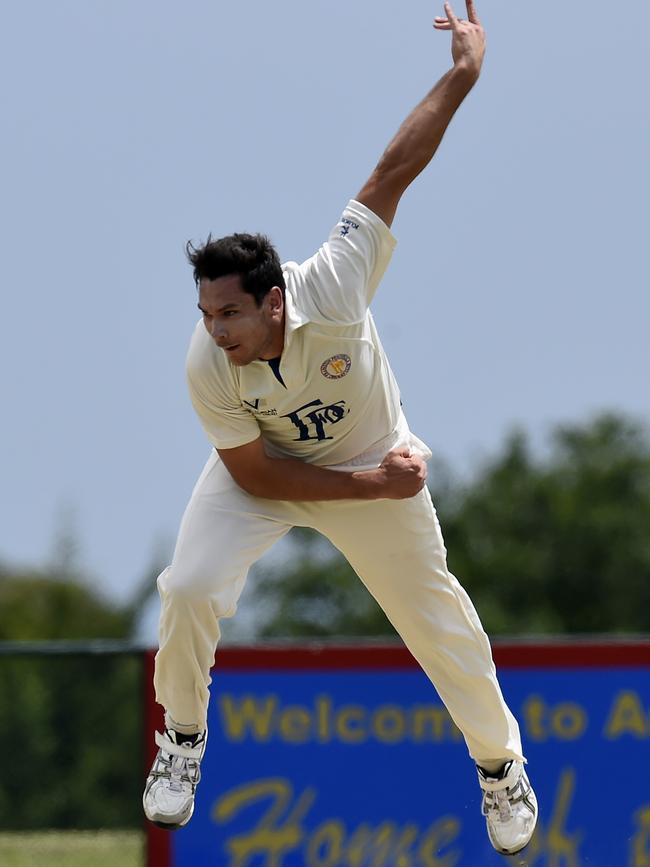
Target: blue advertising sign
364,768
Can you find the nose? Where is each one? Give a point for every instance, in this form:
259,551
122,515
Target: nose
219,331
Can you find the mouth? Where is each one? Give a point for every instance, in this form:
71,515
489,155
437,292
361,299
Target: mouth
232,348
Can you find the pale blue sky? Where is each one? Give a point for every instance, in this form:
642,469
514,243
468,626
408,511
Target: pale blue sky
518,293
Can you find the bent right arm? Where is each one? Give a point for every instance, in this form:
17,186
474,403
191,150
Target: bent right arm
398,477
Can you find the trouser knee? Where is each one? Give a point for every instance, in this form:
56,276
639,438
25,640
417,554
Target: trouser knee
188,588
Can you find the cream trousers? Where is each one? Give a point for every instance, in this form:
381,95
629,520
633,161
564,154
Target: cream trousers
395,547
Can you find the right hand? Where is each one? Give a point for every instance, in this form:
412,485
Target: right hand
401,475
467,38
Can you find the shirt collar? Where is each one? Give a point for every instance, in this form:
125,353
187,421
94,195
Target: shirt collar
293,317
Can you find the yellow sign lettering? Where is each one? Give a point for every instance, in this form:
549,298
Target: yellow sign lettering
350,725
442,833
433,723
295,725
640,847
569,721
388,724
627,717
324,717
280,830
326,844
535,717
566,721
264,718
271,837
247,717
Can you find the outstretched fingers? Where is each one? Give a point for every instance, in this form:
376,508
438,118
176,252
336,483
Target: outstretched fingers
451,22
451,15
471,12
448,23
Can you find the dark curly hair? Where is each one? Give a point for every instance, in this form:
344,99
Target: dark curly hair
253,257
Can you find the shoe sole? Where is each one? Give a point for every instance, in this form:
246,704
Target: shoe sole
512,852
167,827
507,852
171,826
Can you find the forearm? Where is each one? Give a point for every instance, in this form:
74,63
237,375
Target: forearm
290,479
418,138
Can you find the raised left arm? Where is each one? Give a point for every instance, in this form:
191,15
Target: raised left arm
418,138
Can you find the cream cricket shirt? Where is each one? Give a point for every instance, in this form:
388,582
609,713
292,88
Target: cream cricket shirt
332,400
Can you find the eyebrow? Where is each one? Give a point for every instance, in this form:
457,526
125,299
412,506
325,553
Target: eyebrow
231,306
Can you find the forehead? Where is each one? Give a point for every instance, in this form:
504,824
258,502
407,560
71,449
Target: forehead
215,294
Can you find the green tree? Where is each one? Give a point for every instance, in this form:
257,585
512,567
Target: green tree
34,606
76,723
75,719
559,543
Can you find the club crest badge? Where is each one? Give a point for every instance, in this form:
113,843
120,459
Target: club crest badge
336,367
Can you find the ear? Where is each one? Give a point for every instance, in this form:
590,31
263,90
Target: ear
275,301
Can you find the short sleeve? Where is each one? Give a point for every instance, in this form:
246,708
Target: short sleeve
338,283
226,422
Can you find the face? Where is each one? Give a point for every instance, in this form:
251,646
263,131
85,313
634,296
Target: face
237,325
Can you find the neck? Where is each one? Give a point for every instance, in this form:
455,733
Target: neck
275,344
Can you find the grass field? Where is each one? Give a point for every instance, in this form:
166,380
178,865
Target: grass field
72,849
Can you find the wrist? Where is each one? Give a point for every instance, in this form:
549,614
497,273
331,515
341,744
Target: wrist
367,484
466,72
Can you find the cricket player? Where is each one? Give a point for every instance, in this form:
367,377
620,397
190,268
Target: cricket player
291,384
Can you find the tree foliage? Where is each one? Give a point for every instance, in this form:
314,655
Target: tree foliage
35,606
76,724
76,720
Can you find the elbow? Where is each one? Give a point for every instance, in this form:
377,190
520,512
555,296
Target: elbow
248,466
252,484
383,191
249,485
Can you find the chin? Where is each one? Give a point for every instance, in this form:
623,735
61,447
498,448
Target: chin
240,360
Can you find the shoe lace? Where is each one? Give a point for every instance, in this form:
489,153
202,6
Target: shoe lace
501,801
501,804
178,769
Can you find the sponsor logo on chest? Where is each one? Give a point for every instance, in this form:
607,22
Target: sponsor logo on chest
313,420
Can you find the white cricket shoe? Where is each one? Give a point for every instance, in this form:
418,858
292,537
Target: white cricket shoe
509,806
168,798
